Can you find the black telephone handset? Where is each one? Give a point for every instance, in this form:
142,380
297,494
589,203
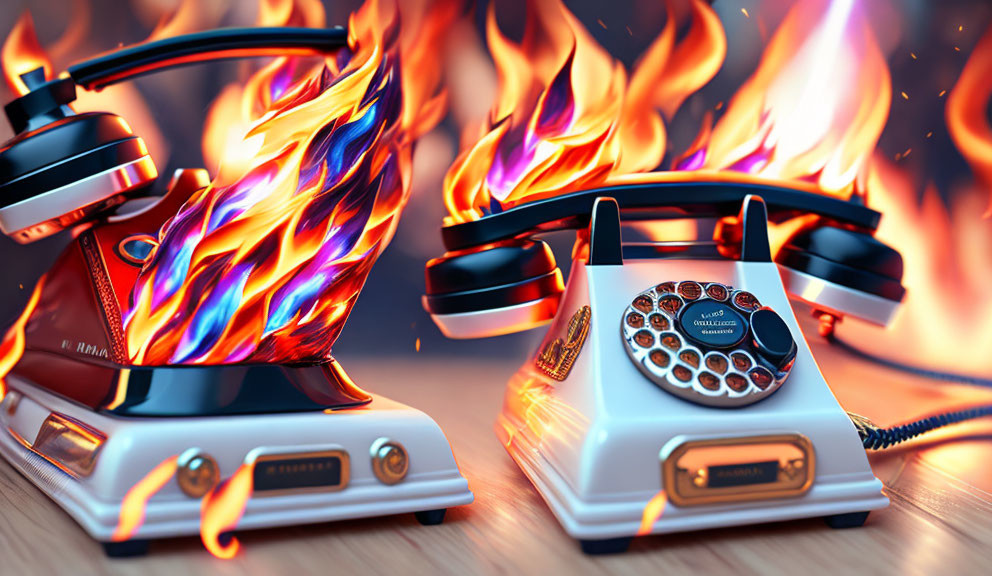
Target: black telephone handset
497,278
62,169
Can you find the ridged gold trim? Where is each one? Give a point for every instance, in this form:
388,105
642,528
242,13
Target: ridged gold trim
557,358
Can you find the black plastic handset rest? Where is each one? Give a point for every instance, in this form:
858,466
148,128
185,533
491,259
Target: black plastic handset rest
644,200
222,43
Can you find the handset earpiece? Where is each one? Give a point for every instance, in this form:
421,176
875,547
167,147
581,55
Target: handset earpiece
843,271
495,289
62,169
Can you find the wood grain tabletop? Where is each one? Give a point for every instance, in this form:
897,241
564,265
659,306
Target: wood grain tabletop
940,519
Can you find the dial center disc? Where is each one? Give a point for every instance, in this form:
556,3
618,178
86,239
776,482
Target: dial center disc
712,323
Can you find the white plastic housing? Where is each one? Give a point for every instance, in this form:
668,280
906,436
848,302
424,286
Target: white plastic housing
593,445
134,446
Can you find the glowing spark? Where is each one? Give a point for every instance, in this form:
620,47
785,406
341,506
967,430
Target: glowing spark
912,55
13,342
652,512
942,92
904,96
957,49
744,12
960,28
132,514
601,23
416,345
929,134
222,509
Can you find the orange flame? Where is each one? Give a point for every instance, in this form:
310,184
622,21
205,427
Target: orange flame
221,510
265,263
22,53
652,512
239,104
813,110
565,109
132,514
966,111
13,341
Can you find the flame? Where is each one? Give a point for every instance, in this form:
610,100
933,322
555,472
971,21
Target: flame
22,53
967,111
185,18
265,263
12,345
565,109
812,111
221,510
652,512
132,514
541,412
240,104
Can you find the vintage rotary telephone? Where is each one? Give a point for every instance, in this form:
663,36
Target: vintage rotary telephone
497,278
63,169
86,424
744,428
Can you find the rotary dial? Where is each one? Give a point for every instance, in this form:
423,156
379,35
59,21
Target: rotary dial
708,343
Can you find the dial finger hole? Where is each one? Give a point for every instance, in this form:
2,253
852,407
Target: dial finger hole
736,382
643,303
690,290
671,341
690,357
746,301
717,292
659,322
709,381
635,320
741,361
644,339
670,303
717,363
660,359
682,373
665,288
761,377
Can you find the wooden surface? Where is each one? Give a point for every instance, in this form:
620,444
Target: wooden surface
940,520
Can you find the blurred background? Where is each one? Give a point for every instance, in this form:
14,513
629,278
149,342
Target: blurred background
926,45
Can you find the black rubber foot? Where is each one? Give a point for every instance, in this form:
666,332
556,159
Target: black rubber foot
126,549
852,520
430,517
608,546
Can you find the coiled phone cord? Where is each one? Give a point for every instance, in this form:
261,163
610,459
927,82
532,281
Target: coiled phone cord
874,437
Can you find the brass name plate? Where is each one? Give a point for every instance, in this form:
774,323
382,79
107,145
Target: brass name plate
280,474
739,469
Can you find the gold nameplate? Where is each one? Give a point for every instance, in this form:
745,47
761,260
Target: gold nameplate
739,469
301,472
557,357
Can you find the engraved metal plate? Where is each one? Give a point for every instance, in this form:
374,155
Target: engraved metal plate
277,474
558,356
739,469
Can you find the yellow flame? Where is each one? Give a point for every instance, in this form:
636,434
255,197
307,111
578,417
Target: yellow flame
132,514
221,510
13,342
652,512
